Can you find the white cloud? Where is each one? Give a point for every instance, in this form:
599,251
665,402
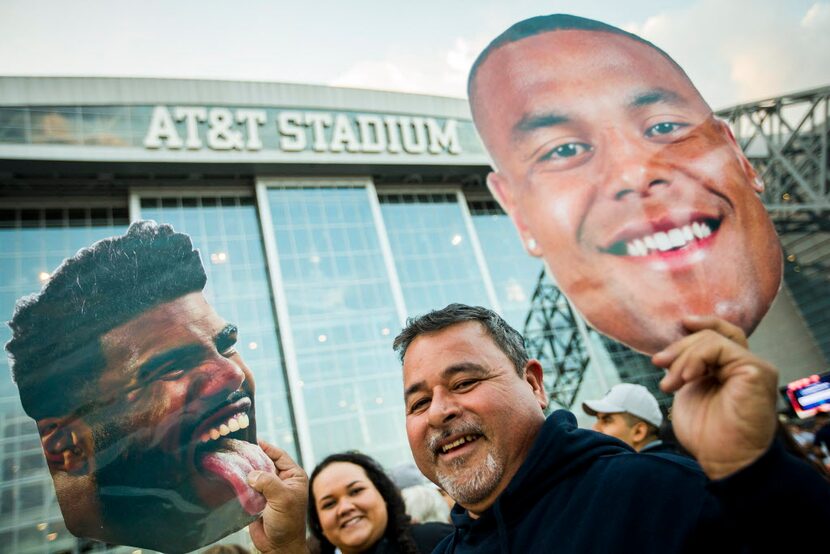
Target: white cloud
383,75
739,51
436,71
817,17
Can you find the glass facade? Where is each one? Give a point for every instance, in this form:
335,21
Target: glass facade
342,318
433,251
514,273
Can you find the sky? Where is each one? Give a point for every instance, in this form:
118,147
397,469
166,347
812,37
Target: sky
734,50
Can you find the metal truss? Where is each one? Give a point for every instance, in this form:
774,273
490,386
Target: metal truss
786,139
552,337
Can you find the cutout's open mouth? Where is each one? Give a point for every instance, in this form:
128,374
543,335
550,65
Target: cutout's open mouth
228,421
224,450
666,238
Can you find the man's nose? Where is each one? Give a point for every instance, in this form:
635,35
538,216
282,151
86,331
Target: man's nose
442,408
219,376
635,166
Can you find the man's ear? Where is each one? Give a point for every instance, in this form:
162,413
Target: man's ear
503,191
67,444
751,175
534,375
639,431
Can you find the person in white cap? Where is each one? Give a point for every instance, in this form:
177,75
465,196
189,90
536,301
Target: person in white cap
630,413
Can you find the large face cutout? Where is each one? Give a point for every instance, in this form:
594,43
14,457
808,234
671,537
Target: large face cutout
616,172
158,453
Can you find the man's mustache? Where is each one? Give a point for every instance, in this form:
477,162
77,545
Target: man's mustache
456,428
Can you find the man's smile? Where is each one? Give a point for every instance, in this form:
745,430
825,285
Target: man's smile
459,442
452,444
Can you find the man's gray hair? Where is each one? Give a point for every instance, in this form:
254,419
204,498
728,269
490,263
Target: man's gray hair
506,337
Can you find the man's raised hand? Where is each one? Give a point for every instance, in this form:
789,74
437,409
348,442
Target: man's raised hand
281,527
724,404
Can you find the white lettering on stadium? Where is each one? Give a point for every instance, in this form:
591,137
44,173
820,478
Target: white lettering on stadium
194,127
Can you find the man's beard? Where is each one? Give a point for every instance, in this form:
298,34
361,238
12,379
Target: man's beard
467,485
472,485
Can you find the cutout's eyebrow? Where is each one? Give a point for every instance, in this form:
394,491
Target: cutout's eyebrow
226,338
464,367
189,354
656,96
530,122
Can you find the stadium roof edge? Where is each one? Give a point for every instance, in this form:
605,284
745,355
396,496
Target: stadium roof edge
81,91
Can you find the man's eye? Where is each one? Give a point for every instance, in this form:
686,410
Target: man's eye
567,150
326,505
418,405
356,491
228,352
665,128
465,384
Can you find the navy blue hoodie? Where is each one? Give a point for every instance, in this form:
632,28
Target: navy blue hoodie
580,491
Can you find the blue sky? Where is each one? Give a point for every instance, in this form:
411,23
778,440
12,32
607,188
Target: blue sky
735,50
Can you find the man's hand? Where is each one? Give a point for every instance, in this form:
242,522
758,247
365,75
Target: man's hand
724,406
281,527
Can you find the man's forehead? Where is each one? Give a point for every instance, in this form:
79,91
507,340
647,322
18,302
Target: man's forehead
456,333
429,354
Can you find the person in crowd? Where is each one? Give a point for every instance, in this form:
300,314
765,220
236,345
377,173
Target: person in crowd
448,500
424,503
355,507
419,494
630,413
821,438
790,442
407,475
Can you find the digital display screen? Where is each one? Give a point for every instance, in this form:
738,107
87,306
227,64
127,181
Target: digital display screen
810,395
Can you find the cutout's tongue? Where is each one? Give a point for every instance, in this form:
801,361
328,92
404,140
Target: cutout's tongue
231,461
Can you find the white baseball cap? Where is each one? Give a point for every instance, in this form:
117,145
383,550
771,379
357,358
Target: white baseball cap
626,397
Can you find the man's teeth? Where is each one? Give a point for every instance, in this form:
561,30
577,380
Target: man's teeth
663,241
233,424
456,443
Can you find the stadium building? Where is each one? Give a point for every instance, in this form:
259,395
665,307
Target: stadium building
324,217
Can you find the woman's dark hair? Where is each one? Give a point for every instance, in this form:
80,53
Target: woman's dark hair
397,526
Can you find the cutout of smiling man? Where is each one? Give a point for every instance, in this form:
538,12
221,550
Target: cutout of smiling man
144,407
615,170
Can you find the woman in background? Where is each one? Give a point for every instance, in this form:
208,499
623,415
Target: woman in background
355,507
